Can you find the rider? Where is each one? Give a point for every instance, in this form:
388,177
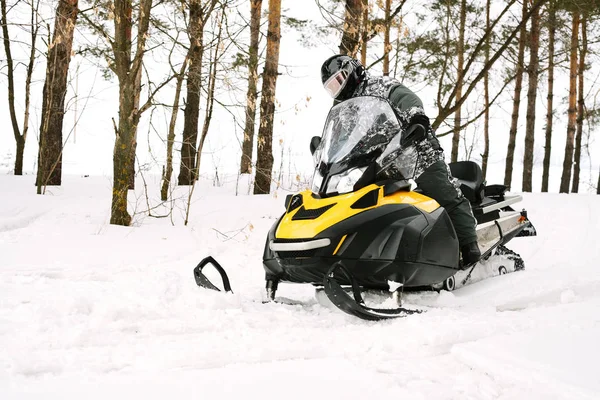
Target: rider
344,77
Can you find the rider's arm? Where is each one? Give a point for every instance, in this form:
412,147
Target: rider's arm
404,98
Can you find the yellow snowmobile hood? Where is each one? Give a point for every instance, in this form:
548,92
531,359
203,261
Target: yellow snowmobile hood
316,214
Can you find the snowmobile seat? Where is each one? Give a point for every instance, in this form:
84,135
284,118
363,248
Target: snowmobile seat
471,181
496,192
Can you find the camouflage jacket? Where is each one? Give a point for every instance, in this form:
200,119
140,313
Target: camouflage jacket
407,105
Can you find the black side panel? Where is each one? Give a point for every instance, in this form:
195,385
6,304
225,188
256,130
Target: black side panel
376,235
439,242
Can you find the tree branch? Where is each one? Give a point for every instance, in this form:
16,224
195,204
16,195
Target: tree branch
447,109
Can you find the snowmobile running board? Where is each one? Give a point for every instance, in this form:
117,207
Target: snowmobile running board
356,306
203,281
507,202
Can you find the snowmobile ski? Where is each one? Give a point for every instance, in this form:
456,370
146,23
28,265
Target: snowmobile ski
204,282
355,305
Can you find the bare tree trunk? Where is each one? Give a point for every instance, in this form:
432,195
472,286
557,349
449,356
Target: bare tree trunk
512,136
252,94
532,73
459,79
168,172
55,89
580,106
351,28
364,34
264,165
486,84
210,98
136,105
550,98
128,74
192,107
20,139
598,185
386,38
572,112
20,151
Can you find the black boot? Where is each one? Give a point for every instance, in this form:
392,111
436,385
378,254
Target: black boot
470,253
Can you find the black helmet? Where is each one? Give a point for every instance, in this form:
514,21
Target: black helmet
341,75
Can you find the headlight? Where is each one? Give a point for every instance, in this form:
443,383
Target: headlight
317,181
344,182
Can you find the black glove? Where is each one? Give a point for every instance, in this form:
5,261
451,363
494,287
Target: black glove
420,119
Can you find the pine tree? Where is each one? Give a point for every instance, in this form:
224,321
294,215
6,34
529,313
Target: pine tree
580,105
188,170
460,50
572,112
512,136
264,164
351,29
550,96
532,73
129,74
53,103
252,93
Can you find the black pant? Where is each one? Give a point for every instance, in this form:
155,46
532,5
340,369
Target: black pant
437,183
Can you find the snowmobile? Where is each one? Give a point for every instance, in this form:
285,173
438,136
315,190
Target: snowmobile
363,225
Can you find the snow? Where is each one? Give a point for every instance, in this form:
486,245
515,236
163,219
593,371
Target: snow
90,310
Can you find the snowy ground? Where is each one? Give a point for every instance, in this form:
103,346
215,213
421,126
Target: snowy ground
90,310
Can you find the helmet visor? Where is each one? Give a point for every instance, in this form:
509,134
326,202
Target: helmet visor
336,83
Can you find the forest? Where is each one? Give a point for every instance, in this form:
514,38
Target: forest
173,223
184,69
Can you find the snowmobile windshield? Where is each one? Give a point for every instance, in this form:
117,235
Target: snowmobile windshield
356,128
359,132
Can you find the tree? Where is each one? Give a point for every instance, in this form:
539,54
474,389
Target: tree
168,171
486,85
55,88
124,54
460,51
364,32
252,94
129,74
210,98
264,164
512,135
386,38
473,67
351,29
550,97
580,105
20,138
572,112
214,60
198,16
532,73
